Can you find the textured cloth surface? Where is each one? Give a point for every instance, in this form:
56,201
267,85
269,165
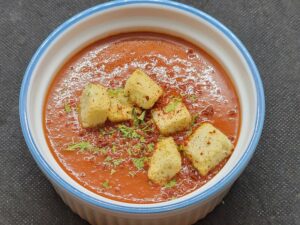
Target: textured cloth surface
268,192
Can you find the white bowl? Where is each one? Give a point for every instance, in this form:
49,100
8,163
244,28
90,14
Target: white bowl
148,15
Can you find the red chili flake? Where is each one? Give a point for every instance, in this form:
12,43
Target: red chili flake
209,111
190,51
148,66
102,143
232,112
81,133
194,176
231,138
117,189
171,74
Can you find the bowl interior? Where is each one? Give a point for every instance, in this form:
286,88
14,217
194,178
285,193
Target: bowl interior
99,23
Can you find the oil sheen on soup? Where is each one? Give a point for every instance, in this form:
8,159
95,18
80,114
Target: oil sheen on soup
106,161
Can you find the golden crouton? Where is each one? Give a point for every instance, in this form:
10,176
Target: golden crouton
207,147
142,90
172,118
165,161
120,107
94,105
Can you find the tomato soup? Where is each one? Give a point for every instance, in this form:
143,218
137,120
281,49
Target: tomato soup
116,167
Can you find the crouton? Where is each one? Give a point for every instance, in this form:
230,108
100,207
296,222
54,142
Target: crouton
94,105
172,118
207,147
120,107
165,162
142,90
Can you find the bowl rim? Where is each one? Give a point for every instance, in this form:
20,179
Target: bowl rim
216,188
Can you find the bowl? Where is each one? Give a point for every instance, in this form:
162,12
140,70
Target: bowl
149,15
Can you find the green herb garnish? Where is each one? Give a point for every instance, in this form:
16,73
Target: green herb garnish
129,152
108,159
192,97
105,184
128,132
103,151
172,105
142,116
170,184
142,139
147,128
83,146
150,147
104,132
113,162
132,174
113,149
194,119
135,117
117,162
139,163
138,119
68,108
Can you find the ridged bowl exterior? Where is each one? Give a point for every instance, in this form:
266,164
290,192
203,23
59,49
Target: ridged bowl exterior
98,216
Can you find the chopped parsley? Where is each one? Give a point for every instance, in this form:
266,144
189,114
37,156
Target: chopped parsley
103,151
108,159
68,108
129,152
194,119
138,146
112,171
128,132
142,139
138,119
103,132
142,116
192,97
139,163
117,162
150,147
113,149
132,174
170,184
112,162
106,185
172,105
83,146
148,128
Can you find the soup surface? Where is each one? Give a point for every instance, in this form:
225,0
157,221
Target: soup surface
118,169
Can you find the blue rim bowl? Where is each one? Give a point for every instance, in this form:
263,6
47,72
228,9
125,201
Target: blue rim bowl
224,182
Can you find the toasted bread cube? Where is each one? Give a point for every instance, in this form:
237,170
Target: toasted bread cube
94,105
173,118
165,162
120,106
207,147
142,90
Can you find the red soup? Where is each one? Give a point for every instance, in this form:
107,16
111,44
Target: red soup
114,165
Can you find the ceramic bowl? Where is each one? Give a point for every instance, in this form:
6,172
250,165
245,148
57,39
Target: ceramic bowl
156,16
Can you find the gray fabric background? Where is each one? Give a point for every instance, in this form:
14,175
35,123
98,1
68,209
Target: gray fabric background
268,192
